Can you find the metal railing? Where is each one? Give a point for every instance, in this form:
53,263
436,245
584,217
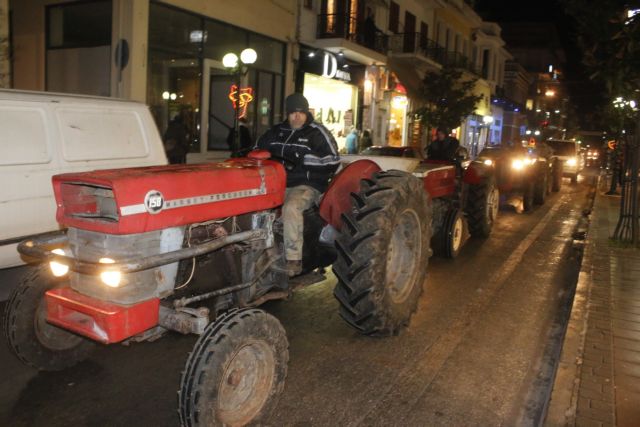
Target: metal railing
418,44
352,28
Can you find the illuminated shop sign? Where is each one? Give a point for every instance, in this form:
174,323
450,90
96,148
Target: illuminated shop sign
330,68
242,100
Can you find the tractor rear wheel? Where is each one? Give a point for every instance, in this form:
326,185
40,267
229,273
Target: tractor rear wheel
383,252
557,175
528,196
483,201
541,184
33,340
236,372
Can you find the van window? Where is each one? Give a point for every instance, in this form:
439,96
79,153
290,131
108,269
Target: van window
101,134
23,138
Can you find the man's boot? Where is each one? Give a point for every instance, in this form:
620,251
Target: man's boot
294,267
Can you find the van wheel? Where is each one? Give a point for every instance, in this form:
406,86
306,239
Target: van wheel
34,341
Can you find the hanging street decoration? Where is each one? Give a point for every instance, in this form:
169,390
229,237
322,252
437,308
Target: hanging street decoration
241,101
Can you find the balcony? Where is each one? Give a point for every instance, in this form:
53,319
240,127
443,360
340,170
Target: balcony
417,44
351,28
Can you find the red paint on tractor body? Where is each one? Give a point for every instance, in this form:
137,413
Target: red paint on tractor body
99,320
439,178
138,200
336,199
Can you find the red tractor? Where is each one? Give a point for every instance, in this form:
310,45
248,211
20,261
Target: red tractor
194,249
466,199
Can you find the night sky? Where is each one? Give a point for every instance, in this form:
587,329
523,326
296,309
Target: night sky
585,95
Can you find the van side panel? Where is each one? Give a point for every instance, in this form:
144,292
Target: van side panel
26,166
93,134
44,134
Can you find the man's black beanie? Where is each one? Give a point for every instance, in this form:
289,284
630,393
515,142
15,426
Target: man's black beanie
296,102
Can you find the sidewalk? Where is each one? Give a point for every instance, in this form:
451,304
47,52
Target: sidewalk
598,377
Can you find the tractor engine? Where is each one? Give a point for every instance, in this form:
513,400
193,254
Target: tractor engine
132,232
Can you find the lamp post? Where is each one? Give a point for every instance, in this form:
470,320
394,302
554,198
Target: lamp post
238,67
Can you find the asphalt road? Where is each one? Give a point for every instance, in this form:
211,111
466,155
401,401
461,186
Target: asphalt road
470,356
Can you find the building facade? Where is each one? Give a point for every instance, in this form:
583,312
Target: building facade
359,62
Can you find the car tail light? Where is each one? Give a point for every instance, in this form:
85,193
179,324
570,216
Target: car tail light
88,201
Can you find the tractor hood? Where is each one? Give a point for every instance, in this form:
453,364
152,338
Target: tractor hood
137,200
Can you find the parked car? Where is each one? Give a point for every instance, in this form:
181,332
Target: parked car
44,134
569,152
378,150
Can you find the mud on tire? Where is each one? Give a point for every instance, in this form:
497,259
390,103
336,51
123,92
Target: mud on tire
541,184
482,207
217,388
34,341
383,253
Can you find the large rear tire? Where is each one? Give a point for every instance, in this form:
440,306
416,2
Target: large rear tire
541,185
483,202
557,175
34,341
236,372
528,196
383,253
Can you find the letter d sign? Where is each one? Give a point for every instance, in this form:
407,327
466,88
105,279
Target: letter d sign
330,66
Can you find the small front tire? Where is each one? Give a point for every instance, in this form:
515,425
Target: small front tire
34,341
236,372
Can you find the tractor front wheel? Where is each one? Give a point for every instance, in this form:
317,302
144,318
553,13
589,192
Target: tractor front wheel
383,252
33,340
448,240
236,372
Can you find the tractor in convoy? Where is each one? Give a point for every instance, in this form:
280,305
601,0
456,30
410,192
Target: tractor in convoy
465,197
195,249
531,173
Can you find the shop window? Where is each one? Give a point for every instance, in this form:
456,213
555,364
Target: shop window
222,39
270,53
78,40
175,31
83,24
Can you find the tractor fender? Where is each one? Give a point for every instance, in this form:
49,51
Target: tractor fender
476,173
337,198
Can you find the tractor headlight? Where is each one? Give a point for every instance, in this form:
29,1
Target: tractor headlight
572,161
528,161
58,269
488,162
112,277
517,164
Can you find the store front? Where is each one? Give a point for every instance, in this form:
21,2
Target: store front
399,104
186,79
332,85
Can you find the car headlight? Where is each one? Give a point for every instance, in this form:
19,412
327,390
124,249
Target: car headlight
58,269
517,164
111,277
488,162
572,161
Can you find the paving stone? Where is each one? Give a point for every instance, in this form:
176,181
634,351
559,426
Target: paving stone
626,368
625,324
592,394
601,405
620,315
627,355
625,333
587,422
628,344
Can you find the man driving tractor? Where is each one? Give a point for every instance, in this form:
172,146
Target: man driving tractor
310,155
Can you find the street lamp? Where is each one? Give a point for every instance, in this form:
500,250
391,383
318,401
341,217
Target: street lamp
238,67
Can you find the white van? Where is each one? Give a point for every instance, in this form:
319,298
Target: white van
43,134
569,152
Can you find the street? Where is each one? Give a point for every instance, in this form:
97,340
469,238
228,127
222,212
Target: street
469,357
